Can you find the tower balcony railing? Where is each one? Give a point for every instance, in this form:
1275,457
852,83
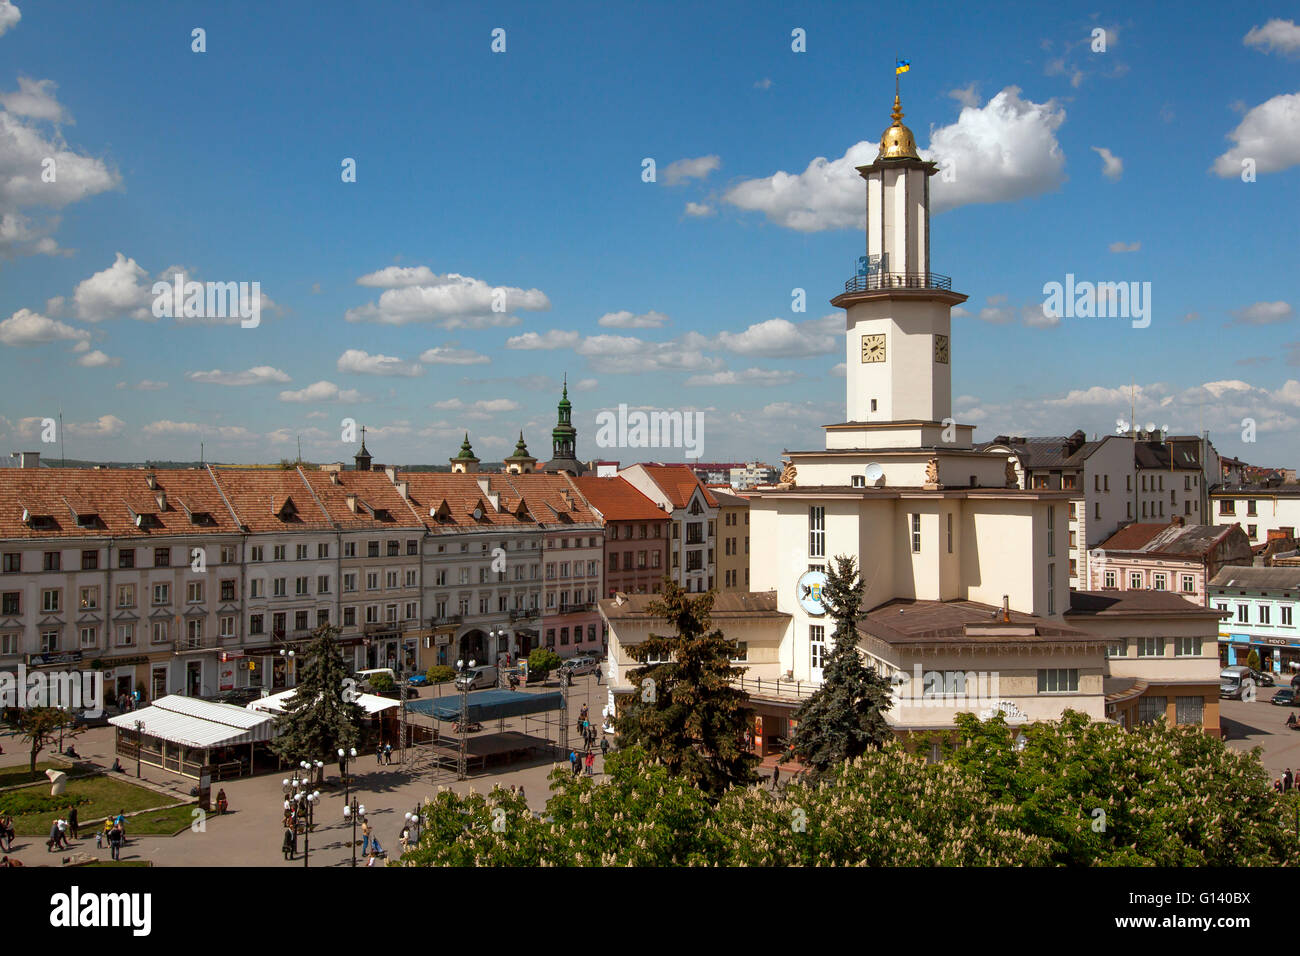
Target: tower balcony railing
882,281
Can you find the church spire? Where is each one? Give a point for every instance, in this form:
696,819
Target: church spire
564,437
362,458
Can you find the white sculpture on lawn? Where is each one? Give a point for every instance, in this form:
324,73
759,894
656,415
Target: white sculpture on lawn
58,782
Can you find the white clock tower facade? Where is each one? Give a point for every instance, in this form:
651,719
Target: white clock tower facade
898,328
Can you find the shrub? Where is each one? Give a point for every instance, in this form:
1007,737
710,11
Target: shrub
440,673
542,661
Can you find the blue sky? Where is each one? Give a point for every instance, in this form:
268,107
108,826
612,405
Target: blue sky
522,171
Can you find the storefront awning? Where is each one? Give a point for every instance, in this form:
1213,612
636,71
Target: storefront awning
279,703
202,724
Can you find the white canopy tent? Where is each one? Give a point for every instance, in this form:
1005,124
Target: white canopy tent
278,703
180,734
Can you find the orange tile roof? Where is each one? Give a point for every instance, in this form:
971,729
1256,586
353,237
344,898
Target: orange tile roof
378,502
115,497
618,500
678,483
546,499
258,497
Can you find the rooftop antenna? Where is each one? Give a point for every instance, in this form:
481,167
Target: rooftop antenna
63,457
200,453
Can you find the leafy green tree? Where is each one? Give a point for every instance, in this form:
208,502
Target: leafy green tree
493,829
39,727
845,717
541,661
440,673
1252,659
322,716
687,714
885,808
1157,795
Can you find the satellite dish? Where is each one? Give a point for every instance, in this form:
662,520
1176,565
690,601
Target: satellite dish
874,473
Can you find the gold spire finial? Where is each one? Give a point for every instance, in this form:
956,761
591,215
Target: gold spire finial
897,141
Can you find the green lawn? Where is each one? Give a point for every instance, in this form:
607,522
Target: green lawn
13,776
94,797
162,822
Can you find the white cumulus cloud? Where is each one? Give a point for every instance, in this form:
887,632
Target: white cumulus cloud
624,319
360,362
26,327
1001,152
1269,135
451,301
1276,36
1112,167
551,339
258,375
321,392
683,169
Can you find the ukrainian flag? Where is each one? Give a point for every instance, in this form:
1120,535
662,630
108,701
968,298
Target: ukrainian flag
902,66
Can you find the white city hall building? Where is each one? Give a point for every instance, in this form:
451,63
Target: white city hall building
966,574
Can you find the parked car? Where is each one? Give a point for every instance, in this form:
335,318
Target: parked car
1286,698
84,719
576,666
418,680
1263,678
484,675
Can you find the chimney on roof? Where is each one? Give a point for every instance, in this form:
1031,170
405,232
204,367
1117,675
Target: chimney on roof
404,489
28,459
391,472
1006,609
151,480
334,478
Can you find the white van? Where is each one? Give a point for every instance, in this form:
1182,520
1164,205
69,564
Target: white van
484,675
1236,682
363,677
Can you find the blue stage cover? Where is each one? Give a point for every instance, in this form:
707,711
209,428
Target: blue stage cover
488,704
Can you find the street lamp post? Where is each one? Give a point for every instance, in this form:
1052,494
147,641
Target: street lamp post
414,821
299,798
463,670
351,812
345,758
139,745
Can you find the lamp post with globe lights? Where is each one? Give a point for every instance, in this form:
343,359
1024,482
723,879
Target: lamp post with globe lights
463,672
352,811
300,801
345,760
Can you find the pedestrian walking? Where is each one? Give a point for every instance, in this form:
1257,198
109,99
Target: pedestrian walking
388,754
116,837
72,822
64,842
7,833
573,761
521,795
108,825
1277,784
1287,780
365,836
379,755
287,845
591,764
604,747
52,843
776,776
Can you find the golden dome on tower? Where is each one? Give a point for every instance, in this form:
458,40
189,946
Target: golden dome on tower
897,142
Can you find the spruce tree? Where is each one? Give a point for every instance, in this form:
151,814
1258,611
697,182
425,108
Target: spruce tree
845,717
322,715
686,713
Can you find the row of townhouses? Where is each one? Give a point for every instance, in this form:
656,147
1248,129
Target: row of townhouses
207,580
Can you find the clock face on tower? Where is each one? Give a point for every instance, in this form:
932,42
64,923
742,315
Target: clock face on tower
941,349
873,348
